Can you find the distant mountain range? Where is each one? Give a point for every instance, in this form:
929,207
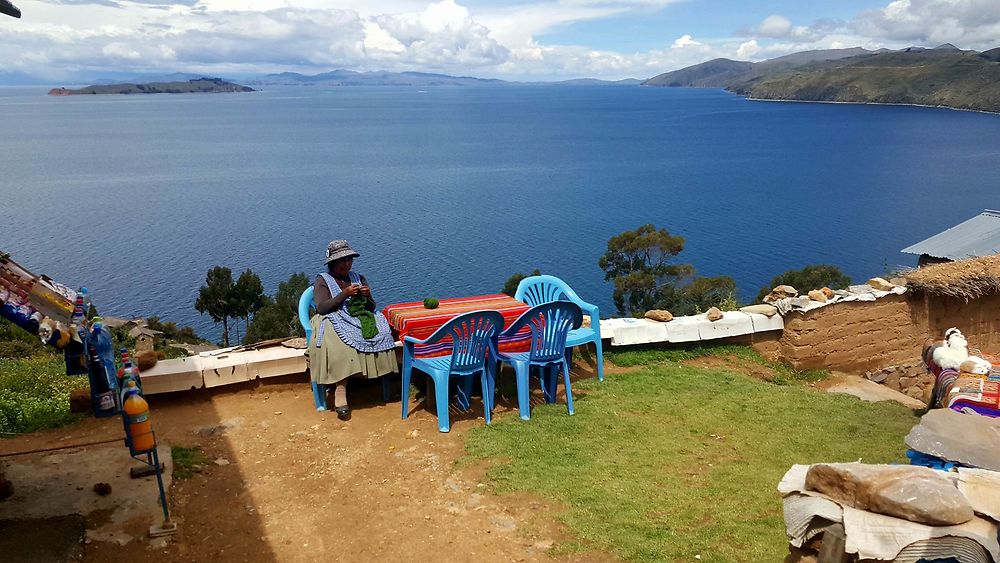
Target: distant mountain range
343,77
339,77
943,76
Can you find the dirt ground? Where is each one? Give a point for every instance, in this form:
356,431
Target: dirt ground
286,483
733,363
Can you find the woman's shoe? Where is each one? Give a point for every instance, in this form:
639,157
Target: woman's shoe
343,413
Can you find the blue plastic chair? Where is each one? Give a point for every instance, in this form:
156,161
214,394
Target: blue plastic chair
550,324
473,336
319,390
536,290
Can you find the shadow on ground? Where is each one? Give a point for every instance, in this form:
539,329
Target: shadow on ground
283,482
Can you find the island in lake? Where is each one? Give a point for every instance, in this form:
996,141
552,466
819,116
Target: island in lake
196,86
944,76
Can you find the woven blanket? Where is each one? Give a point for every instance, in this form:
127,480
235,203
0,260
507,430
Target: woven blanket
961,391
975,392
413,319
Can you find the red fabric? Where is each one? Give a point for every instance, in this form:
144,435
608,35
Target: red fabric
413,319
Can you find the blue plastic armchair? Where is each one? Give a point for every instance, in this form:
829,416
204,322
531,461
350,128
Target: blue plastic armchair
550,324
473,336
536,290
318,389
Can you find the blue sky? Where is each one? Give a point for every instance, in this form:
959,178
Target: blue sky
510,39
709,19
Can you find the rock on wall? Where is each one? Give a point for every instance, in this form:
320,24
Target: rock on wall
863,336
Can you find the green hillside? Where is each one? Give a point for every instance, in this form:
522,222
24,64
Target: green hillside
944,76
198,85
963,80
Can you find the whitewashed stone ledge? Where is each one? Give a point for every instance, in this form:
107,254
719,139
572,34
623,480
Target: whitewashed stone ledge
694,328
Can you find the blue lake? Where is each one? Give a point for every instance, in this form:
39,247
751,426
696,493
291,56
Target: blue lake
447,192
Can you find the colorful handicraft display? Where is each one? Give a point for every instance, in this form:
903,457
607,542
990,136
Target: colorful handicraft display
966,380
35,303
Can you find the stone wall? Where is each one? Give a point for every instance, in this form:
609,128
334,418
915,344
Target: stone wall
909,379
865,336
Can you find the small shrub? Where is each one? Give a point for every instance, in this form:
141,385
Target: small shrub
16,349
809,278
510,286
16,342
186,461
34,394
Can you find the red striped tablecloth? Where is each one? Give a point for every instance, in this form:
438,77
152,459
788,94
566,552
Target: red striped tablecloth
412,319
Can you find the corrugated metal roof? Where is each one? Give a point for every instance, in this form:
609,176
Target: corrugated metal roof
979,236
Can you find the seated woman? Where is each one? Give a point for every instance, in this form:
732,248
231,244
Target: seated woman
351,337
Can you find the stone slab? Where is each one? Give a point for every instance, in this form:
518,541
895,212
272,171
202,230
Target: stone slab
913,493
635,331
685,329
732,323
869,390
982,488
275,361
969,439
179,374
224,368
763,323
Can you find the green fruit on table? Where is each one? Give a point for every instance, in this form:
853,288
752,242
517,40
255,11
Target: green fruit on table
430,303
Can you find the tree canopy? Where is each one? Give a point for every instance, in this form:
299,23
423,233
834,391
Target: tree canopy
639,264
278,317
700,295
811,277
223,299
510,286
216,298
248,295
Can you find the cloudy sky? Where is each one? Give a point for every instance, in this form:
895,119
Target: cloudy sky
511,39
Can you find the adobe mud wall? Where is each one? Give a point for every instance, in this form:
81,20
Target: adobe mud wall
862,336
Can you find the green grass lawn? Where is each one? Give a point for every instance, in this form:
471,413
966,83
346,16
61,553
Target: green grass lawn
671,461
34,393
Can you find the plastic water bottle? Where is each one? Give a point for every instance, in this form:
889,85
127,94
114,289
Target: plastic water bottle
102,395
140,427
79,320
101,340
86,300
134,366
128,372
126,362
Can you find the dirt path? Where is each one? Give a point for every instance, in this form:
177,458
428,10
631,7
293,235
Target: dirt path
292,484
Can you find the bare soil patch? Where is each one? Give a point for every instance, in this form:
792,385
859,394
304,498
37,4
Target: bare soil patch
289,484
731,362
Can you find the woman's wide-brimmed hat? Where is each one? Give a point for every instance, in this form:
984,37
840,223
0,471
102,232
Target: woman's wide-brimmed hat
338,249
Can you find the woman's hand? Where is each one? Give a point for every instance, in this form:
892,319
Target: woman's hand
351,291
366,291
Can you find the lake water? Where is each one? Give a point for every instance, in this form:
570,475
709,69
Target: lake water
447,192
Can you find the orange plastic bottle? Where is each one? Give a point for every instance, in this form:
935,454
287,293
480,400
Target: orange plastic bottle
140,428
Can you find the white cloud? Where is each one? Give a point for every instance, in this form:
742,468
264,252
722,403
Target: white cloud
378,39
774,26
82,37
973,24
747,49
519,25
684,41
